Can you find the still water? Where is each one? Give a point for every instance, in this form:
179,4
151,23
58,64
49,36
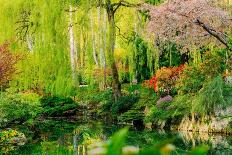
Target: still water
64,138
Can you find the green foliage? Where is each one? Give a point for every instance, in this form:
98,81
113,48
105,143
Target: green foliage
123,104
170,54
157,114
202,150
131,115
147,98
193,77
41,37
88,95
154,2
10,139
117,142
140,59
145,15
55,106
18,107
212,96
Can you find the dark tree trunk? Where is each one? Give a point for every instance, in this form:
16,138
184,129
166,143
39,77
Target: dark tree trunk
116,86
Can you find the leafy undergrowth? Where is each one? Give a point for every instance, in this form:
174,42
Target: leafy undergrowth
10,139
18,108
55,106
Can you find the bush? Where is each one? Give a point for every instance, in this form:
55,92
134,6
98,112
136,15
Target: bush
7,64
93,95
58,106
193,77
213,95
9,139
165,79
18,107
123,104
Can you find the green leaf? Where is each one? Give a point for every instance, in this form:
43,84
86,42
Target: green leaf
201,150
117,142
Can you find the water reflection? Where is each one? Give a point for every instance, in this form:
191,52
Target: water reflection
71,138
219,144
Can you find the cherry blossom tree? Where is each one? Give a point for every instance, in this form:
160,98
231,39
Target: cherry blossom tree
190,23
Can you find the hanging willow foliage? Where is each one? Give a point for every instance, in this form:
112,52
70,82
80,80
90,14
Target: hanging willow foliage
41,27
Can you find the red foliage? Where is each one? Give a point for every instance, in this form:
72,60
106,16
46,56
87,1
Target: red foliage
7,64
165,78
154,83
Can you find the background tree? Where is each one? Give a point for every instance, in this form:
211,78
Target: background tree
190,23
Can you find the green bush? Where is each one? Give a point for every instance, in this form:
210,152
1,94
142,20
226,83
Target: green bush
123,104
93,95
54,106
194,77
213,94
18,107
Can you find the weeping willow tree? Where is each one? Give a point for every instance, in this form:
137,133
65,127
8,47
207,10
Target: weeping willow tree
40,28
63,42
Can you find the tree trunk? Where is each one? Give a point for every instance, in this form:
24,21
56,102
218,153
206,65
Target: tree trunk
93,40
104,47
72,46
116,86
102,43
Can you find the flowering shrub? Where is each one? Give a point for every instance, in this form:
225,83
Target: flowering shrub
165,78
154,83
9,139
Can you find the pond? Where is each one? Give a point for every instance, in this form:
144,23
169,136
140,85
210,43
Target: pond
63,138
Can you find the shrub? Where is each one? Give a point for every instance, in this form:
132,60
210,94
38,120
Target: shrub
213,94
9,139
18,107
58,106
193,77
165,79
123,104
131,115
7,64
93,95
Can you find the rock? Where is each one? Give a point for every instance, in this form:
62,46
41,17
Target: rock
130,150
164,99
148,126
228,79
135,82
98,151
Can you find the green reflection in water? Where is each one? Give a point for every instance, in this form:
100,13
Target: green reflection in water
64,138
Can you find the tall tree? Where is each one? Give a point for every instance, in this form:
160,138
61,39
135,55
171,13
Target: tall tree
111,9
94,48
